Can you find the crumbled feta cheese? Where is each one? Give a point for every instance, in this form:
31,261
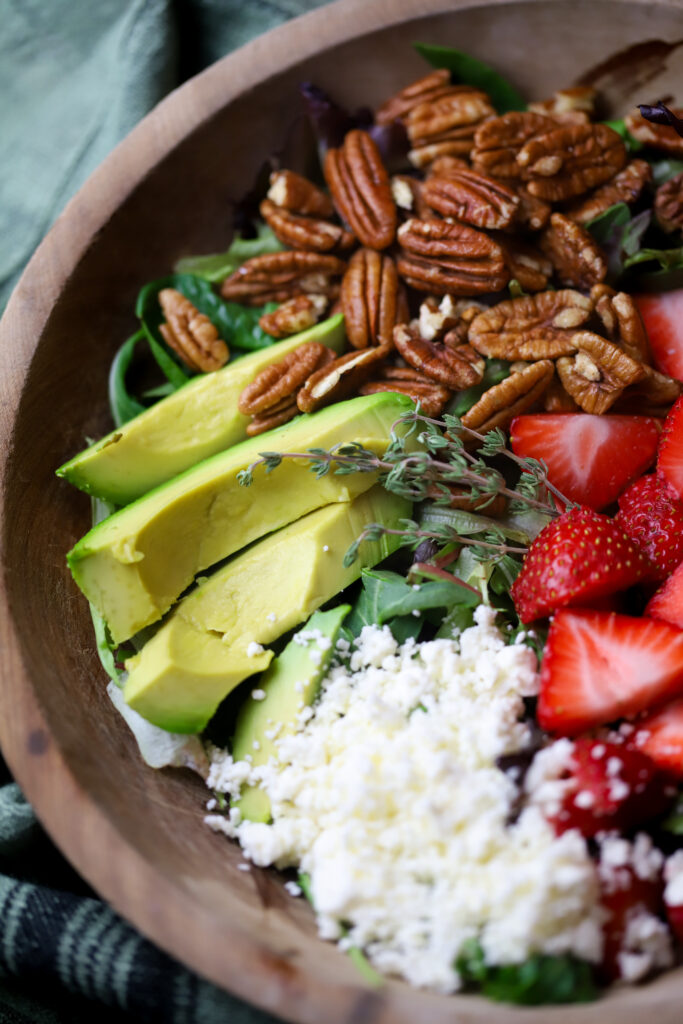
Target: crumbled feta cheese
402,820
244,867
326,547
293,889
646,947
258,694
271,616
673,876
254,649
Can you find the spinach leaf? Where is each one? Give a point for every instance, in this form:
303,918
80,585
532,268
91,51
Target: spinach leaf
122,404
496,370
387,598
460,617
665,170
218,266
619,234
539,980
633,145
237,325
668,259
471,71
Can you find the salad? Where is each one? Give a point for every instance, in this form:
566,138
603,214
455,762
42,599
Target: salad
392,554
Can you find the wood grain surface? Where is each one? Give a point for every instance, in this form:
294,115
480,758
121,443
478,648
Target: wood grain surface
136,834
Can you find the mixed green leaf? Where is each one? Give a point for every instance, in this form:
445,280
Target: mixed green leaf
538,980
470,71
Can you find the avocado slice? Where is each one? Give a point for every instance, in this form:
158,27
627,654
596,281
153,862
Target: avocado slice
290,682
212,639
136,563
188,426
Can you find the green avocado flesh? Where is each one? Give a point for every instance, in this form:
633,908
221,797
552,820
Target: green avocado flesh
290,682
135,564
203,650
188,426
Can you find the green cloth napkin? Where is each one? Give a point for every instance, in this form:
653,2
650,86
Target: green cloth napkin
75,77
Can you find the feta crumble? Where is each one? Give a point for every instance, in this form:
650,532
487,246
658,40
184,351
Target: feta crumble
402,819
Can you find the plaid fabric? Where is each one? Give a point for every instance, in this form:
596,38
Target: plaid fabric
75,77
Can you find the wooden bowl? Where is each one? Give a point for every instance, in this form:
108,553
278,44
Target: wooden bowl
134,833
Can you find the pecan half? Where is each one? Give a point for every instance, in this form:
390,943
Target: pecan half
282,380
533,213
299,232
340,379
293,316
455,368
278,276
556,398
291,191
431,395
498,406
444,166
669,204
659,136
577,258
624,187
598,373
445,126
472,198
430,87
571,160
652,396
441,257
360,189
190,333
407,193
498,141
622,322
574,105
526,263
532,327
372,298
281,413
439,315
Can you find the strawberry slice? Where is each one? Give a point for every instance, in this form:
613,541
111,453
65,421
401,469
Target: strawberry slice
600,666
660,736
667,603
611,787
663,318
652,516
590,459
578,557
670,453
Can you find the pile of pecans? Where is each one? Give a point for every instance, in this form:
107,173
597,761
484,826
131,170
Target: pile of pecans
409,258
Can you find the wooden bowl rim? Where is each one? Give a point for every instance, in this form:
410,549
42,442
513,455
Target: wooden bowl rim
53,789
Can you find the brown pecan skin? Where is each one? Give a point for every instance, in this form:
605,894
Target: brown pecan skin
599,372
282,413
440,257
472,198
622,322
445,126
533,213
658,136
574,105
361,191
537,326
341,378
577,258
669,204
431,395
556,398
310,233
624,187
455,368
569,161
293,192
498,406
372,298
190,333
526,263
498,141
429,87
281,380
653,395
295,315
277,276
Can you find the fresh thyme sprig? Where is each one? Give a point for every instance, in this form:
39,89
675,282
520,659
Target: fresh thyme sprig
444,461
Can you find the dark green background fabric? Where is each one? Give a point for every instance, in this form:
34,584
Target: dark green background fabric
75,77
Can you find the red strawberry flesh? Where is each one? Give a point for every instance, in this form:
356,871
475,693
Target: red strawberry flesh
663,318
577,558
660,736
590,459
652,516
670,452
667,603
599,667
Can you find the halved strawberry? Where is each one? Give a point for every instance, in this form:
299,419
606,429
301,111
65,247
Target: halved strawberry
663,318
667,603
578,557
670,453
625,895
612,787
600,666
660,736
652,516
590,459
